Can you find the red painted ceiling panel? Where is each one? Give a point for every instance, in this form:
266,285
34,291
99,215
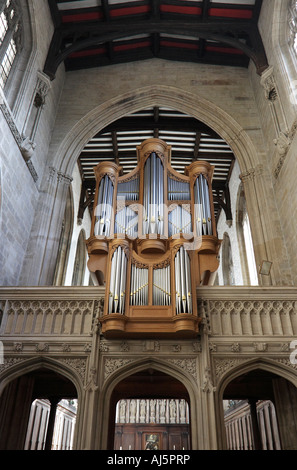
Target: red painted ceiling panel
230,13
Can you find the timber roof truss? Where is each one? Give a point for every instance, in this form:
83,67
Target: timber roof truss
95,33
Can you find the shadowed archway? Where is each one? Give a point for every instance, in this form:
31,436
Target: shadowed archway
147,384
16,401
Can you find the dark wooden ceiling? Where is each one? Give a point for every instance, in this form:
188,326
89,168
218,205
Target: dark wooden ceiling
97,33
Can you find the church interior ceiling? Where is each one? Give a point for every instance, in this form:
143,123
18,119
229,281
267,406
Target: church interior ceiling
96,33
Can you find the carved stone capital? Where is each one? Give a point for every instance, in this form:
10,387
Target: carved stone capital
247,175
269,85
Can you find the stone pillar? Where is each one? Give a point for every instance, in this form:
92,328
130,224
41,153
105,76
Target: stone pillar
51,422
255,425
39,265
89,427
211,422
286,410
265,226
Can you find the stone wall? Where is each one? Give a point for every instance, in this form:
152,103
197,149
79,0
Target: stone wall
23,166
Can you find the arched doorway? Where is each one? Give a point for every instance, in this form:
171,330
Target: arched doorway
260,410
155,413
16,401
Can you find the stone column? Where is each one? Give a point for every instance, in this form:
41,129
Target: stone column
88,428
39,265
211,422
265,226
285,395
51,422
255,425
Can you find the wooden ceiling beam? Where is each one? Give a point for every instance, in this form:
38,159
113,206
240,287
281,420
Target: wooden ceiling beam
182,124
197,144
88,35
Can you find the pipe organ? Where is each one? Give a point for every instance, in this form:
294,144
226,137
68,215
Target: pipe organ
153,242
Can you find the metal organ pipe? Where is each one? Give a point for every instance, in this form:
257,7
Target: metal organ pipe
153,197
129,190
202,207
118,276
126,222
182,282
161,286
139,286
104,207
179,221
178,190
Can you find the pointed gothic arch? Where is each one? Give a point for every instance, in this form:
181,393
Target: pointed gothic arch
21,383
157,95
281,383
169,371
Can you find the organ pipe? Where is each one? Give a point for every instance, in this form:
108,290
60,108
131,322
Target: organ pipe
202,207
104,207
129,190
153,195
161,286
118,281
126,222
139,285
179,221
178,190
182,282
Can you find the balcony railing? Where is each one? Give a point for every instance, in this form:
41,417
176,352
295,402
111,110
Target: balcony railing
228,311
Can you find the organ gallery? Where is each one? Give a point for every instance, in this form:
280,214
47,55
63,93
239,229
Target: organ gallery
153,243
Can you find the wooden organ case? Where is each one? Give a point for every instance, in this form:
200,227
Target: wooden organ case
153,242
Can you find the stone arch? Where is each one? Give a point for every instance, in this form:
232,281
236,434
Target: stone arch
134,367
25,381
280,370
197,106
24,367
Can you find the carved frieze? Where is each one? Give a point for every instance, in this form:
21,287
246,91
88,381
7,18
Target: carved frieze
188,365
78,364
224,365
111,365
